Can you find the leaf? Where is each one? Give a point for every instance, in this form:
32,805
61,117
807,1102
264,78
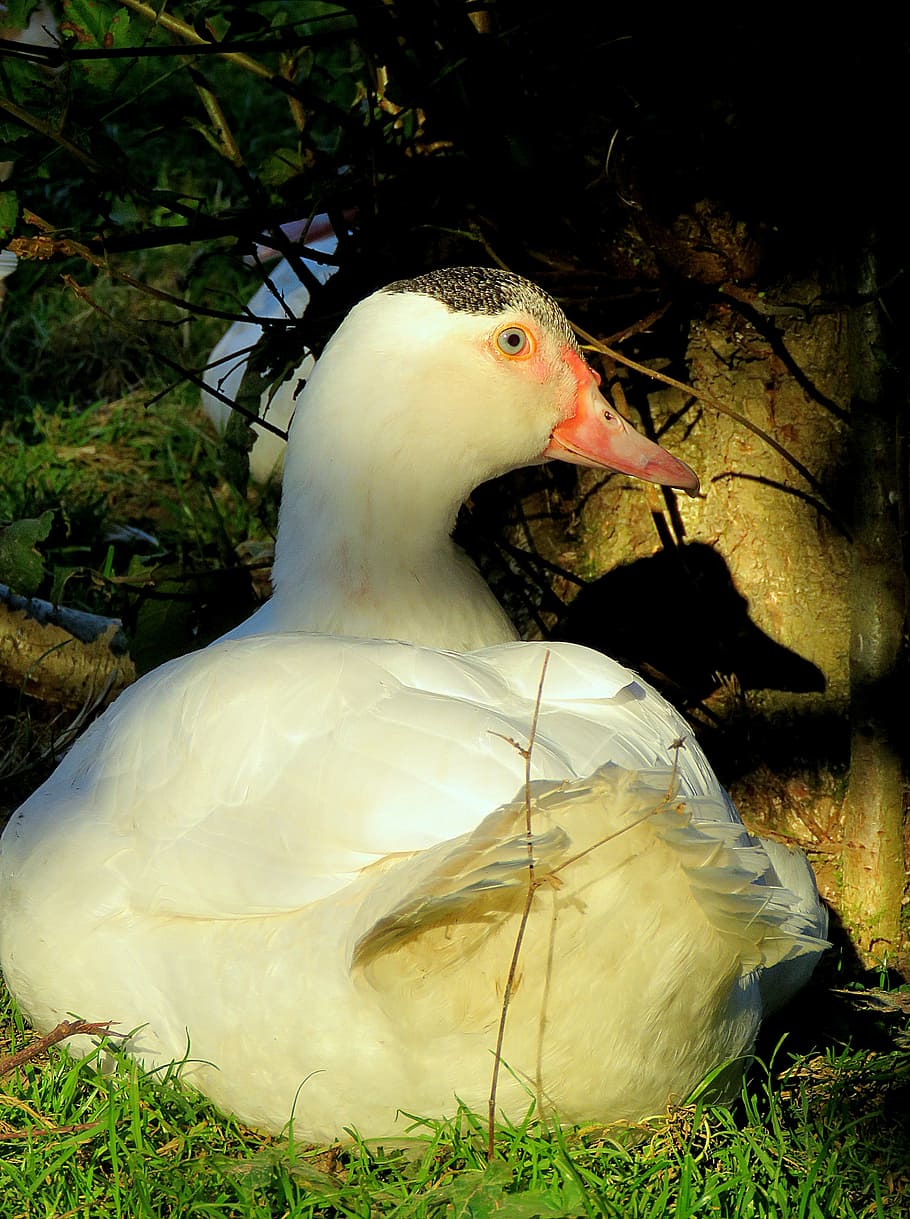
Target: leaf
484,1194
21,566
123,212
281,165
17,14
92,25
9,210
27,88
164,623
473,1194
557,1203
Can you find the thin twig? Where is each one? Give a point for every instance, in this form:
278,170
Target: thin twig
185,373
46,246
175,26
658,808
523,923
707,398
32,1131
221,137
66,1028
668,799
644,323
534,883
42,128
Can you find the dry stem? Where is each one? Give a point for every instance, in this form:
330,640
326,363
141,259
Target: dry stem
66,1028
523,923
534,883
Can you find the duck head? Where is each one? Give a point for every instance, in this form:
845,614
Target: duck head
465,373
430,387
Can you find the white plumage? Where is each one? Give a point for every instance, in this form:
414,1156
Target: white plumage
281,295
299,860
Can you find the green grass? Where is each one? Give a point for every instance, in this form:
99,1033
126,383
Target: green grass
820,1139
97,427
122,464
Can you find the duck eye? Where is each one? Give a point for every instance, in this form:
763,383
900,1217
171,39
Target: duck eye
514,341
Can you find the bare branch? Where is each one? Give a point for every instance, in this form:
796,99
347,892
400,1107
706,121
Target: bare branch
523,922
60,1032
175,26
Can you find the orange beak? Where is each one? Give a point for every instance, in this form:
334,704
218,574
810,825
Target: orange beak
597,436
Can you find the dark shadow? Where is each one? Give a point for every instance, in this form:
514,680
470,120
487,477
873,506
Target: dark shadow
678,618
842,1004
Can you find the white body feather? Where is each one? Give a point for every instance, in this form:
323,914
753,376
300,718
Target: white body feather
148,895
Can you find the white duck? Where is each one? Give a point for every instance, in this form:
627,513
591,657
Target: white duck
281,295
298,861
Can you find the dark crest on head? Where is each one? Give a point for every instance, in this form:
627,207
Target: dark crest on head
486,290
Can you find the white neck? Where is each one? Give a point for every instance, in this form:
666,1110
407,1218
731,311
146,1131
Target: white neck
380,563
374,476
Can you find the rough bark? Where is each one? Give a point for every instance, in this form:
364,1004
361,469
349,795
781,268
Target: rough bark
874,871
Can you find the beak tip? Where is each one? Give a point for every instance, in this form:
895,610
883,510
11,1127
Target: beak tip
693,489
688,480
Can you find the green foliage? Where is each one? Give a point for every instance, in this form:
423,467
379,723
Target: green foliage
21,566
145,527
18,12
9,212
103,146
96,26
482,1193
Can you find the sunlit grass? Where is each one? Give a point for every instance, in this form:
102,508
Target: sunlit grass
116,468
819,1138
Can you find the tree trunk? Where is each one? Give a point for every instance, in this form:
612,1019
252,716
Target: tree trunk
874,875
